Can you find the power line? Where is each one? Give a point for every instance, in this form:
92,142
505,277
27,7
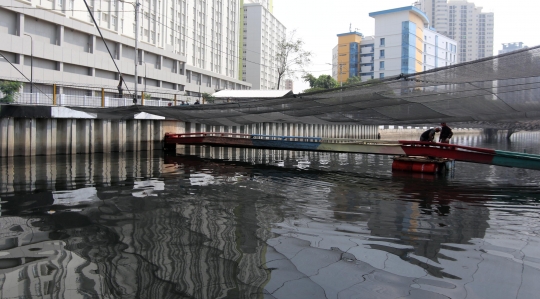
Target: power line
23,74
212,48
62,10
110,54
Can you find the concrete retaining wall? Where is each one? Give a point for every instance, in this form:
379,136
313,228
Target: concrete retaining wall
51,136
414,134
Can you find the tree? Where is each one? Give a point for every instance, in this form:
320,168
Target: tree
147,96
322,83
326,82
353,80
291,57
9,90
310,79
208,98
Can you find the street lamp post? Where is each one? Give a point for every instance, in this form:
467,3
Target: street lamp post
31,63
137,4
144,78
339,73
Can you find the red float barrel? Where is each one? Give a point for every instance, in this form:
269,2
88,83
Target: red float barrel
420,164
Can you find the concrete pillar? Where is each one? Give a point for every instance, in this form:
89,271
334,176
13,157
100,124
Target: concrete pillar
7,137
20,25
63,136
107,136
81,132
158,134
59,35
25,142
119,51
118,136
141,56
72,131
91,136
99,137
132,135
46,136
145,139
92,44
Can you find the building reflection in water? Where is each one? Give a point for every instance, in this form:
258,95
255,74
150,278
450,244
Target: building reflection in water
217,226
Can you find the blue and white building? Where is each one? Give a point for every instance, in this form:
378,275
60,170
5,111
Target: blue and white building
404,43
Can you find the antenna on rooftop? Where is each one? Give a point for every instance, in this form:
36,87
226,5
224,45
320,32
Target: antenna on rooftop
350,27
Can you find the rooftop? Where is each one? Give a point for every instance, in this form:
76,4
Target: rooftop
255,94
412,9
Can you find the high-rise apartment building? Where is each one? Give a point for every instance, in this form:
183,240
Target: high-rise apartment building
289,84
404,43
464,22
184,45
262,33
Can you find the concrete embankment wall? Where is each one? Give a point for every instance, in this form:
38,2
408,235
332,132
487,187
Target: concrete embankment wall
414,134
50,136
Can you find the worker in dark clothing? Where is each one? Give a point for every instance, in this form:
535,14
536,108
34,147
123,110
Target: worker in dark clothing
446,133
429,135
120,89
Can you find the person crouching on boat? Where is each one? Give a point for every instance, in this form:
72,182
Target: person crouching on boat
446,133
429,135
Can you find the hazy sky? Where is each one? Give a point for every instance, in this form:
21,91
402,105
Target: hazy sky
318,21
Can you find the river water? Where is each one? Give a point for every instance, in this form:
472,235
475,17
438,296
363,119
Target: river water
245,223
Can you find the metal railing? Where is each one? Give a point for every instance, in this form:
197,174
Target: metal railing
93,101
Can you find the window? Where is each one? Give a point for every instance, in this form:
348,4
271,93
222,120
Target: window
383,40
381,65
381,75
381,53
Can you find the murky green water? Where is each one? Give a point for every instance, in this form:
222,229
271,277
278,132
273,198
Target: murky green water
239,223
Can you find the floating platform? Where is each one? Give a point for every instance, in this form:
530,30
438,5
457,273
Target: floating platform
422,164
342,145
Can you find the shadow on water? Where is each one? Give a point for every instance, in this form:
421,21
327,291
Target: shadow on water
239,223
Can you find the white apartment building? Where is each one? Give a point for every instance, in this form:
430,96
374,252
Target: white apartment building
464,22
185,46
262,33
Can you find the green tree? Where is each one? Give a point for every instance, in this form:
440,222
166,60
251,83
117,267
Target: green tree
147,96
322,83
9,90
310,79
208,98
291,57
326,82
353,80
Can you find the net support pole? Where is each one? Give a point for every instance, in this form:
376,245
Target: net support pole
102,97
54,95
142,98
175,100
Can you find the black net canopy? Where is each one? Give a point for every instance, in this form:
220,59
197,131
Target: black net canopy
501,91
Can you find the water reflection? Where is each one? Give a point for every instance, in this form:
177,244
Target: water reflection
240,223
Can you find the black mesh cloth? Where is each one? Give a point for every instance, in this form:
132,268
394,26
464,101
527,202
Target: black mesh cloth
497,92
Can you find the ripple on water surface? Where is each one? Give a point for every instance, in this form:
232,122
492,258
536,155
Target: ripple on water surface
240,223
